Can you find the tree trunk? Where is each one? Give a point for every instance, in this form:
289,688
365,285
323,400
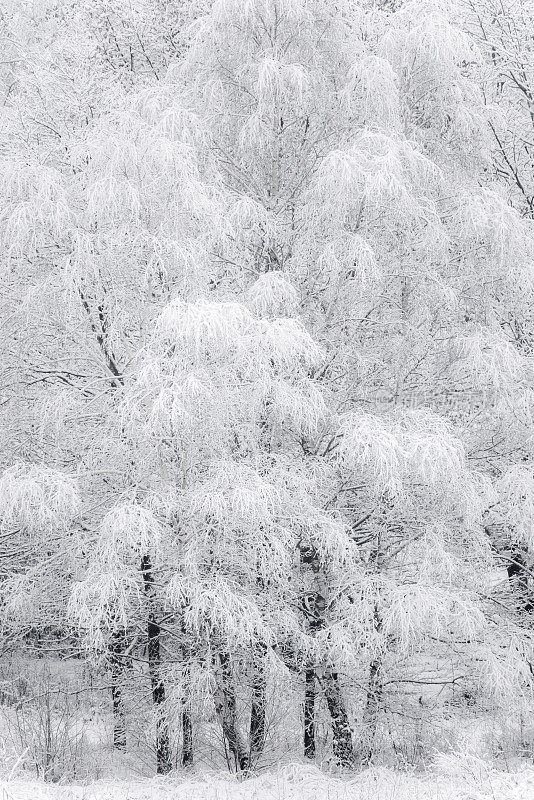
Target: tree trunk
119,719
341,730
314,607
187,739
226,708
518,577
372,709
163,749
374,697
257,711
116,649
187,722
309,714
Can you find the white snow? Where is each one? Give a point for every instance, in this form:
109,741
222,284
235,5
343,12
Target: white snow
455,778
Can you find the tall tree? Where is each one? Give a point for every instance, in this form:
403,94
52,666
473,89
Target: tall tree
268,307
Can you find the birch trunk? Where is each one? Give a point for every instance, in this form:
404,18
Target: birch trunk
163,749
258,707
226,708
309,714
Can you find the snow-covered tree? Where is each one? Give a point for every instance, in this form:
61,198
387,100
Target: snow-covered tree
37,509
269,300
217,407
504,33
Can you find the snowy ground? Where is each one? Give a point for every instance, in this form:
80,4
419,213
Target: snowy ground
454,779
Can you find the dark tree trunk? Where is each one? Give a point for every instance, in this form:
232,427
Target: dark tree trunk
258,709
187,739
259,691
518,577
309,714
226,708
163,749
187,726
119,716
341,730
314,606
187,722
372,709
119,720
117,649
373,700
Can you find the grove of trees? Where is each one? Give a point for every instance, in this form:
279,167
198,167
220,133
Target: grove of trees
267,381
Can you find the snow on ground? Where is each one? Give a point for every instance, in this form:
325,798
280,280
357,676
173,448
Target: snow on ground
454,779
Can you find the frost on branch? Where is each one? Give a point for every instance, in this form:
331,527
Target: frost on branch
416,611
101,603
218,606
214,366
372,85
272,296
492,360
486,219
406,454
428,50
277,83
35,206
103,600
35,498
515,507
252,10
350,257
287,344
126,530
370,446
381,171
235,494
203,327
